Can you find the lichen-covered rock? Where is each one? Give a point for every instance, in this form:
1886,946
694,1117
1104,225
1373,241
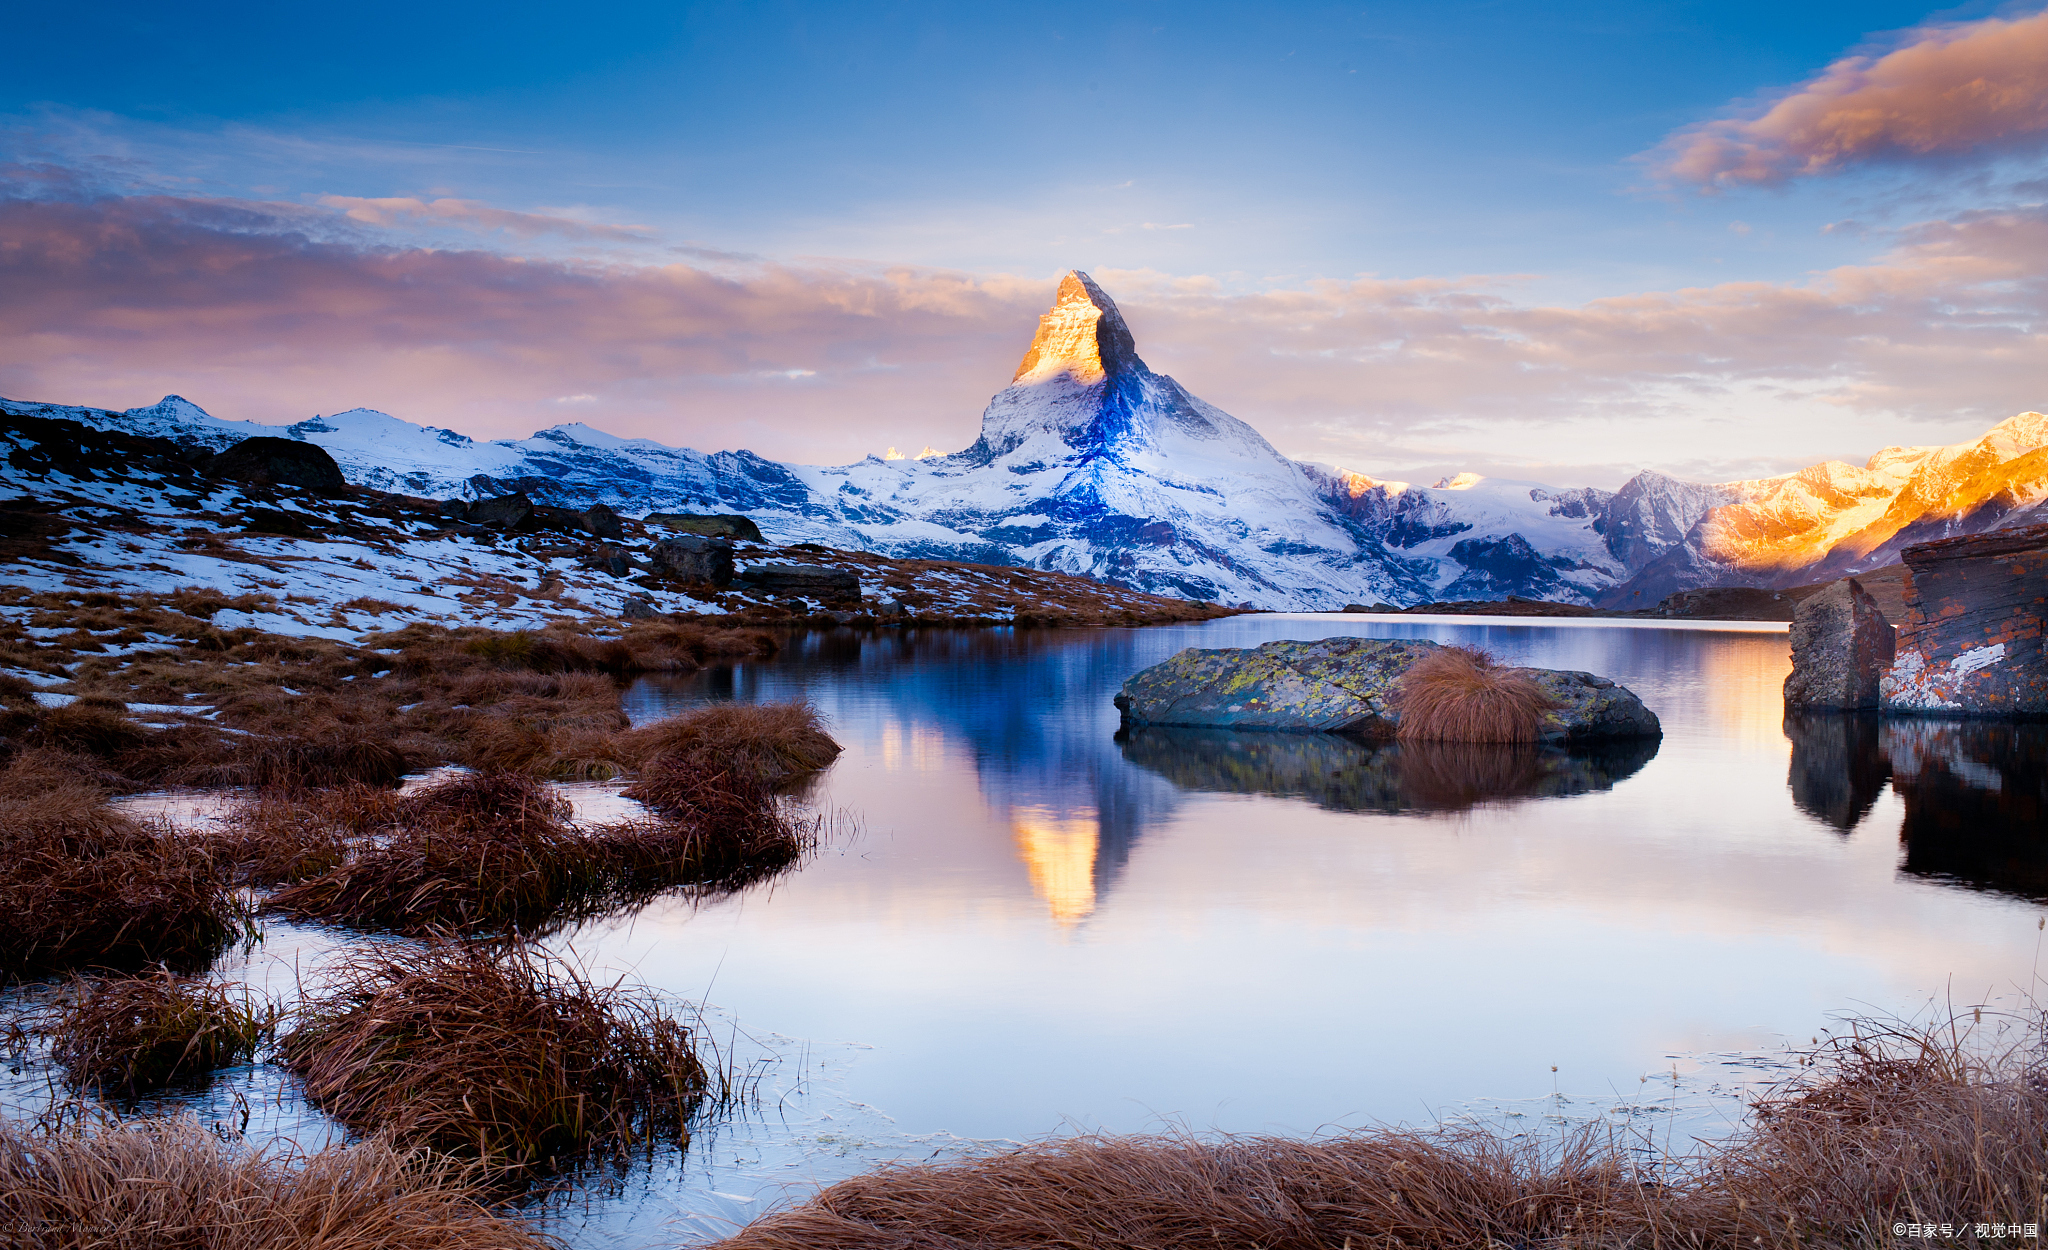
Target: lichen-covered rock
1972,644
1841,647
1350,686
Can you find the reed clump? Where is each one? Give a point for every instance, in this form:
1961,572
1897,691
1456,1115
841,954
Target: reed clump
173,1185
82,886
1458,694
503,1054
131,1035
1884,1126
476,850
774,743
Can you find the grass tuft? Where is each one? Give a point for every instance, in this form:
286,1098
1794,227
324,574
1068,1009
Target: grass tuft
504,1054
82,886
173,1185
131,1035
1458,694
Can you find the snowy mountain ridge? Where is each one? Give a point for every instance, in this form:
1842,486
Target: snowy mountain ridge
1091,463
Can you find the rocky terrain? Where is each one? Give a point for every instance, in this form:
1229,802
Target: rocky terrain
271,527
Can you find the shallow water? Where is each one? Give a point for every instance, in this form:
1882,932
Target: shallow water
1039,927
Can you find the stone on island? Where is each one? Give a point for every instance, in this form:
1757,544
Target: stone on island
1349,686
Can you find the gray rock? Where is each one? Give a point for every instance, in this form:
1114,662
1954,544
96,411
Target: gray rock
711,525
637,608
813,581
606,558
1350,686
694,558
505,512
1841,647
602,522
454,509
279,462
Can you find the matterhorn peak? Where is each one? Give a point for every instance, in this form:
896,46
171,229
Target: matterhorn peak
1084,337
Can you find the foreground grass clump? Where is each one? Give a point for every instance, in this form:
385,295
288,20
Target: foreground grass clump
82,886
1458,694
131,1035
775,743
1887,1126
476,850
172,1185
502,1054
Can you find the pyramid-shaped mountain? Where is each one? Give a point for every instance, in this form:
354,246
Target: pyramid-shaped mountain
1089,462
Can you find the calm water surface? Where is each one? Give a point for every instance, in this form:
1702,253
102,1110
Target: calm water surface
1039,927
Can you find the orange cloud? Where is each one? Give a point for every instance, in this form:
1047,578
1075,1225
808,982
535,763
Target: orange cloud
1950,90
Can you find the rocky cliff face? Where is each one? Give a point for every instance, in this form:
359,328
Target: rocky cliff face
1976,613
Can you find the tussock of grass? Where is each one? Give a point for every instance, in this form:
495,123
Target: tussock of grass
478,850
775,743
131,1035
503,1054
1458,694
172,1185
1887,1125
82,886
334,755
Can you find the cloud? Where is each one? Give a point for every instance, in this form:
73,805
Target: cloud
250,310
1947,91
476,216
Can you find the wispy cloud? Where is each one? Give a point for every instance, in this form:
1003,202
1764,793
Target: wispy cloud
476,216
1946,91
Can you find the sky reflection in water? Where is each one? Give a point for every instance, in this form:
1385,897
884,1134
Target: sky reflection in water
1045,927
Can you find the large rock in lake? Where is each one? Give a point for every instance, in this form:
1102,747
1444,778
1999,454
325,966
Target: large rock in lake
1348,685
1841,647
1972,643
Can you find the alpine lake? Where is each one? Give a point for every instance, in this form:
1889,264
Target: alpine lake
1023,922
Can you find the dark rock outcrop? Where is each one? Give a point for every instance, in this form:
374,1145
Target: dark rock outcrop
504,512
812,581
1349,686
1972,643
694,558
278,462
1346,775
1841,647
602,522
718,525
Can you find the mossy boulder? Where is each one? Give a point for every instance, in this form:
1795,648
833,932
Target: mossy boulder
1348,686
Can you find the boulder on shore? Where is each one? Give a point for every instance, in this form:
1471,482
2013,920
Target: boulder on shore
813,581
1976,609
277,462
710,525
1351,686
694,558
1841,647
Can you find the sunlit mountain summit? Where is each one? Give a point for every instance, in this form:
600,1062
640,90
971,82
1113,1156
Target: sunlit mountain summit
1089,462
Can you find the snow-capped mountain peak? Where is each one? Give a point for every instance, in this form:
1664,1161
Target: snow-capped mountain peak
1082,337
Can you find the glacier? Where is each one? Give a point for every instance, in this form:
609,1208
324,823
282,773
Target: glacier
1089,462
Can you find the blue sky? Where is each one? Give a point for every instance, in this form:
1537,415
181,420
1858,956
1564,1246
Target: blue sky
1229,153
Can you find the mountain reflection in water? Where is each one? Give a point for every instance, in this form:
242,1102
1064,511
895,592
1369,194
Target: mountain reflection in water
1975,792
1345,775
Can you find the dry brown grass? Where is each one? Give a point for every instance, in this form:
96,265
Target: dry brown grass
172,1185
474,851
774,743
503,1054
1888,1125
82,886
1458,694
131,1035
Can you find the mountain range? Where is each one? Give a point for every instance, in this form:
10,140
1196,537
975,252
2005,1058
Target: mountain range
1091,463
